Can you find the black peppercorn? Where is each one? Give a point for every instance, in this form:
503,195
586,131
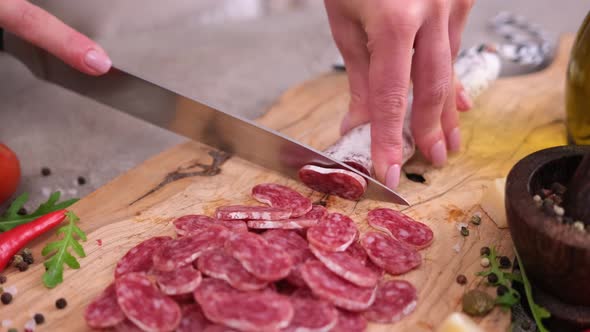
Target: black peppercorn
526,325
492,278
2,279
39,319
45,171
6,298
61,303
484,251
464,231
501,290
22,211
505,262
81,180
461,279
22,266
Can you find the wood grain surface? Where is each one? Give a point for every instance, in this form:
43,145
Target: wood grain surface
515,117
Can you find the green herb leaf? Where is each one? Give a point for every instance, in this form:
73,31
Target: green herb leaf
508,299
11,218
539,313
55,264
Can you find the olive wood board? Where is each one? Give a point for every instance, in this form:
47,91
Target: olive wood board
516,116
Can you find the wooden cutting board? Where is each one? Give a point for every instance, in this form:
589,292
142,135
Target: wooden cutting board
514,118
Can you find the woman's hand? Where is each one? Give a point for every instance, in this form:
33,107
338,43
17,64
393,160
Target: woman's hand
376,39
46,31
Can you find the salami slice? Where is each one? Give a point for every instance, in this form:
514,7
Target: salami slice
218,328
293,244
333,181
183,251
242,212
312,315
395,299
350,322
335,232
220,265
192,319
309,219
182,280
144,305
390,254
401,227
193,223
282,197
328,286
347,267
127,326
256,311
104,311
259,257
358,252
139,258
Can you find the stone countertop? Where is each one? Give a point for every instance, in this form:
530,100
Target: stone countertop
237,54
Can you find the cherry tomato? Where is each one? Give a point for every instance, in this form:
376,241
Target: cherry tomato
9,172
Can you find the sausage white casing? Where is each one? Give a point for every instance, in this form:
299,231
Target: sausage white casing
476,68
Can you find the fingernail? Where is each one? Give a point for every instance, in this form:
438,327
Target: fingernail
465,101
454,140
438,153
98,61
392,176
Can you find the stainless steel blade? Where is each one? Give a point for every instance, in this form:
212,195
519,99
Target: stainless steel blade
165,108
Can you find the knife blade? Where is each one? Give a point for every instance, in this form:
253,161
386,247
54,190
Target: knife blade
166,108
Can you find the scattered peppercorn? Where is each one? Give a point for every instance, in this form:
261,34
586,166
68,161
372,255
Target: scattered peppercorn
81,180
45,171
579,225
22,266
61,303
492,278
22,211
484,251
2,279
501,290
27,256
6,298
16,259
485,262
39,319
548,206
464,231
461,279
538,200
505,262
546,193
476,220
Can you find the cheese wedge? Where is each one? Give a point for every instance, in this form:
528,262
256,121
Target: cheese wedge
493,204
459,322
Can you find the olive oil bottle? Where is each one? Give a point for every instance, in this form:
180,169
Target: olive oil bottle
577,92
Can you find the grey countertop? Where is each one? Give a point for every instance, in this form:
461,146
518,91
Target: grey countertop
240,55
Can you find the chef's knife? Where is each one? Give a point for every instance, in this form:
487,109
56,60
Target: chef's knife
155,103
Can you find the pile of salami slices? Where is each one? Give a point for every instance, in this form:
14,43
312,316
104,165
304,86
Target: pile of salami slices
286,266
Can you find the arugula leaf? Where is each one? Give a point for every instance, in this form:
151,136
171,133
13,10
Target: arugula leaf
539,313
11,218
55,264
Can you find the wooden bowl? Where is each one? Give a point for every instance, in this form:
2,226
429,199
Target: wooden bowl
556,256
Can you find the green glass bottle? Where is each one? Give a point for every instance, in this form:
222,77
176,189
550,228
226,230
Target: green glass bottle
577,92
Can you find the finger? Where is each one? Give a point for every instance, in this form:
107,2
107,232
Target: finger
351,40
462,99
46,31
390,48
450,124
432,78
457,20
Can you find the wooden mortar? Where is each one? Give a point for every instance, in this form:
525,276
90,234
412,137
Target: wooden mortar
556,256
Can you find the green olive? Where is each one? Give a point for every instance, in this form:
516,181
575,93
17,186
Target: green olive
477,303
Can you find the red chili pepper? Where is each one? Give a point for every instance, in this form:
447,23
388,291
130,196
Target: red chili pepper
15,239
